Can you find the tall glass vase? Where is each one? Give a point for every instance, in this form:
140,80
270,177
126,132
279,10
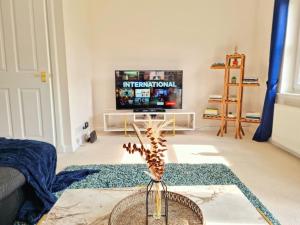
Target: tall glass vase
157,201
154,207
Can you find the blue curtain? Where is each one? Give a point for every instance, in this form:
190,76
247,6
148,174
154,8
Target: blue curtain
264,131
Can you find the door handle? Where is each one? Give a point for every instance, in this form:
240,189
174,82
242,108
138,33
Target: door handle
42,75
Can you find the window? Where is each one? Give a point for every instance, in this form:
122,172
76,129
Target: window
296,63
297,68
290,74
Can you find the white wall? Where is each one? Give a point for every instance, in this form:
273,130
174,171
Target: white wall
104,35
77,22
264,17
286,128
175,34
59,79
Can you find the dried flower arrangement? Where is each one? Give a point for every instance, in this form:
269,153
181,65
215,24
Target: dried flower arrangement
154,155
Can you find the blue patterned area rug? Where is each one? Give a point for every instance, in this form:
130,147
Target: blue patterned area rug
131,175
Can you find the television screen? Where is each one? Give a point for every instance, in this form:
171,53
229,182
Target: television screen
148,89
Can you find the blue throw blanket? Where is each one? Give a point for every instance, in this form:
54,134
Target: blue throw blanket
37,162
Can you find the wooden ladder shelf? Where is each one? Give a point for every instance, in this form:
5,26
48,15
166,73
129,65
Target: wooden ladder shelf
233,62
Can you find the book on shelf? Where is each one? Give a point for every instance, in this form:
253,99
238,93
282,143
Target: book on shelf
247,82
250,80
232,98
211,112
218,64
252,116
211,116
215,97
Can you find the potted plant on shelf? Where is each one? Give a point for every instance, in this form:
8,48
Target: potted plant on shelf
233,79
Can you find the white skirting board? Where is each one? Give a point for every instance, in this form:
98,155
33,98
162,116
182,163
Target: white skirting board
286,128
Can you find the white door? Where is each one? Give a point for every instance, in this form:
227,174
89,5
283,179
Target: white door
25,85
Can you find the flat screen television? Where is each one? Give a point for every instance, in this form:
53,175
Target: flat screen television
142,89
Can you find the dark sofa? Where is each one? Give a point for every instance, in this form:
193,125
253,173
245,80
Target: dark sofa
11,194
35,163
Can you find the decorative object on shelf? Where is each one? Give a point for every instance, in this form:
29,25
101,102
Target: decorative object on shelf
233,79
153,116
154,157
231,115
235,62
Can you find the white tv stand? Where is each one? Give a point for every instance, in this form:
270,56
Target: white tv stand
122,120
